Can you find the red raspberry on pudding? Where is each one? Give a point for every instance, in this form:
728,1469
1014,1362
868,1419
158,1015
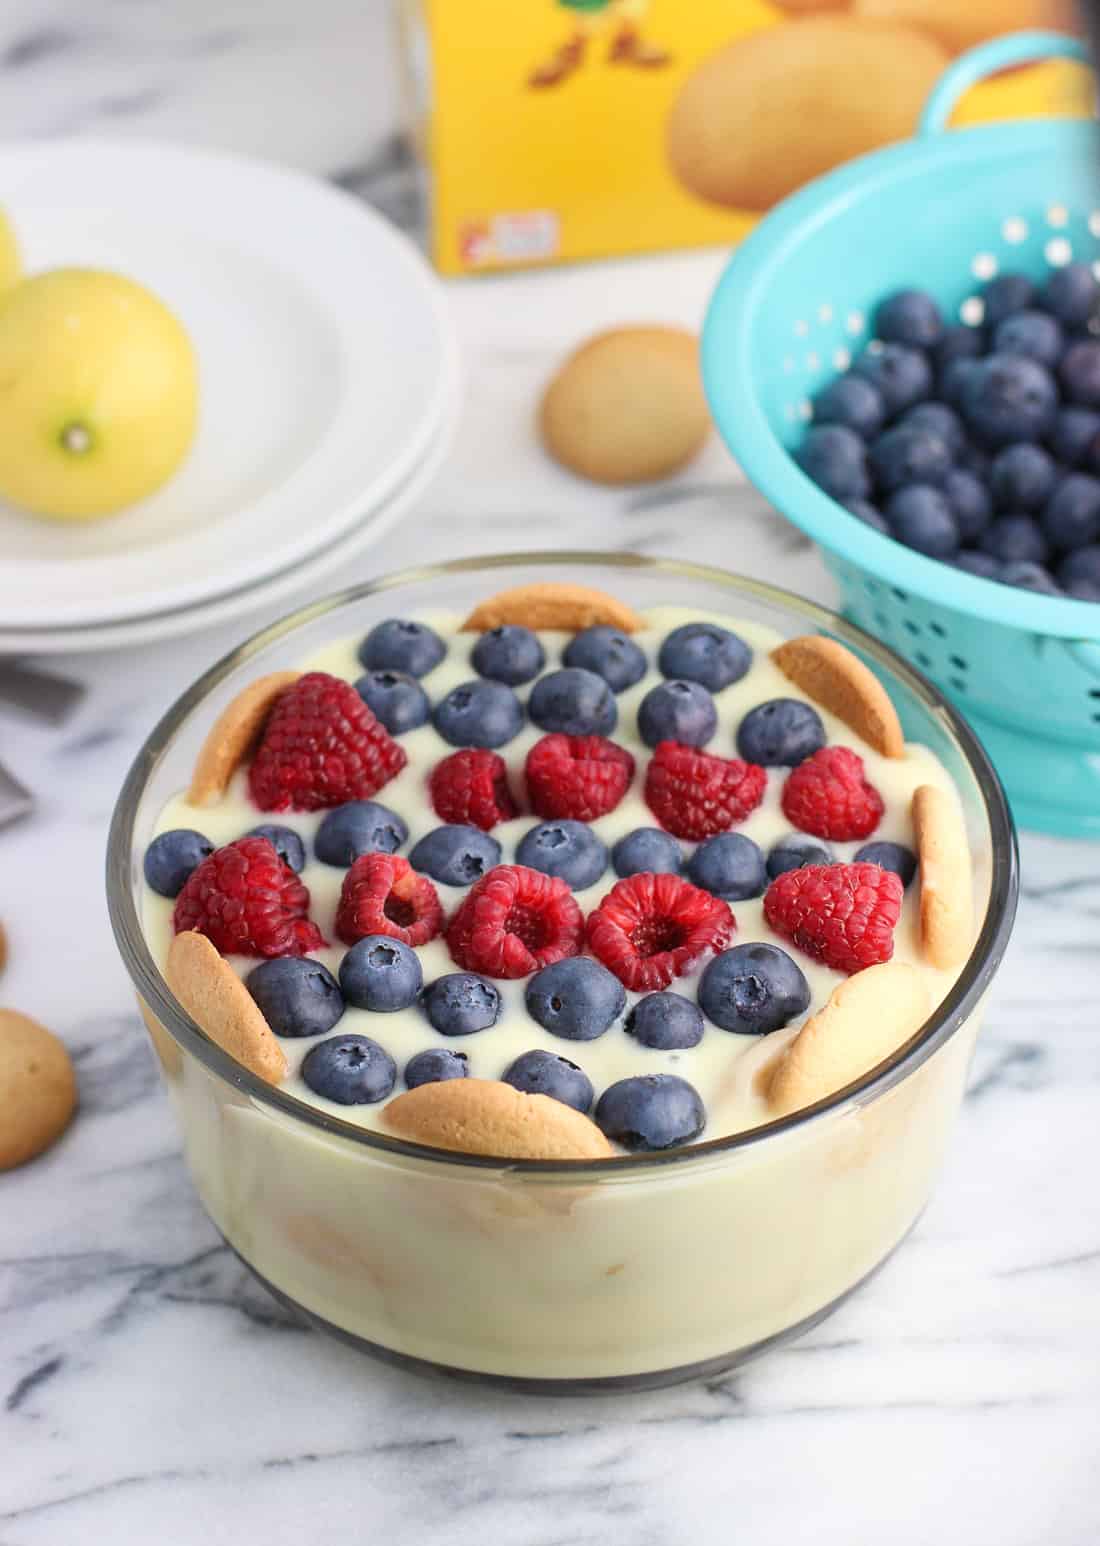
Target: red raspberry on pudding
843,915
577,777
321,746
248,902
695,794
470,788
515,921
652,928
830,796
383,894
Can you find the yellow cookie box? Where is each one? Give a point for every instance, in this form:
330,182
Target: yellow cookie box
552,130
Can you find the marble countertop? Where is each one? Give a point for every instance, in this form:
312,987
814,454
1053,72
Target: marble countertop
150,1390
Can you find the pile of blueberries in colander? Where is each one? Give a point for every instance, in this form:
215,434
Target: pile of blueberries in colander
978,445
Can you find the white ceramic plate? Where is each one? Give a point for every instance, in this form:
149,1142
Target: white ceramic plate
325,358
284,586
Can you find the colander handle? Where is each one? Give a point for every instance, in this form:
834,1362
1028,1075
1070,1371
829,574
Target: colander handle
973,66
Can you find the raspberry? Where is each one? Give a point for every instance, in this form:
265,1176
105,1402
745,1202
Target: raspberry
321,746
577,776
841,914
383,894
829,796
514,921
651,928
248,902
471,788
694,794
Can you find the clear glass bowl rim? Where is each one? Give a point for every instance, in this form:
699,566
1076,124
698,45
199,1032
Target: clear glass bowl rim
948,1018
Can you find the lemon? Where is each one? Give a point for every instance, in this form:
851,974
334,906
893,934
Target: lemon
9,254
98,393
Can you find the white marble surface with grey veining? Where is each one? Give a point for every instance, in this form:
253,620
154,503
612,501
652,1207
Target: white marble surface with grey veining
149,1390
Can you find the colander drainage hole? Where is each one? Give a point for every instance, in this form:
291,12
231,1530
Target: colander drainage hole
913,628
938,629
958,662
1094,692
882,620
871,587
900,594
923,660
958,684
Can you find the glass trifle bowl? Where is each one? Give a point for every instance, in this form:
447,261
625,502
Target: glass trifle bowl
562,1276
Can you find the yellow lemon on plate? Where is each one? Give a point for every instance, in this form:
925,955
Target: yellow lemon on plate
98,393
9,254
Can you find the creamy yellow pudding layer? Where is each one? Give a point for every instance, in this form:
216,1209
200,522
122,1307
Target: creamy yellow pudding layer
656,1266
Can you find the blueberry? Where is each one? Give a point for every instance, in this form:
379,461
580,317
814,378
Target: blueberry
568,849
381,974
1005,295
1071,435
869,514
401,645
172,856
651,1111
890,856
434,1066
479,713
728,865
573,702
609,653
1011,538
835,458
853,402
1029,576
461,1003
545,1073
975,459
958,342
647,851
286,843
1081,564
1083,590
1022,477
455,855
1032,333
983,565
576,998
753,989
359,827
921,517
704,653
954,380
396,700
970,503
903,376
1072,516
510,654
908,454
939,420
909,317
1071,294
780,733
353,1070
297,997
667,1022
1079,373
1006,397
794,852
677,711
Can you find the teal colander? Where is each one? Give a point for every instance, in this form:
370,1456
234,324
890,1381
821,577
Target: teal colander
944,211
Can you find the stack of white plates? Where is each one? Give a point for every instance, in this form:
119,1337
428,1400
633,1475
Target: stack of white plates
328,387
